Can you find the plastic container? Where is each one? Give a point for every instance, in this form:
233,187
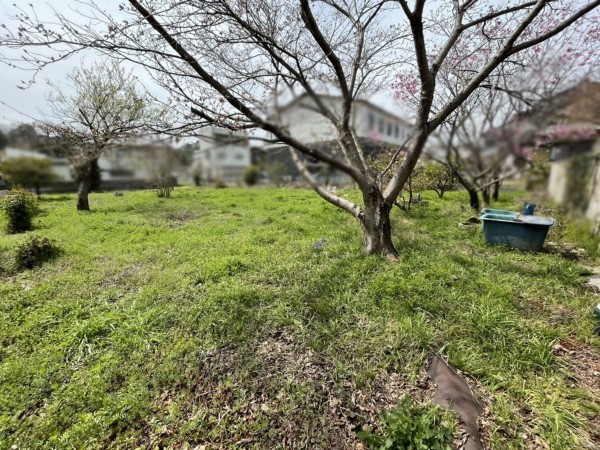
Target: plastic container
521,232
500,212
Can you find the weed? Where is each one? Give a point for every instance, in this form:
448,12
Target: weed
413,427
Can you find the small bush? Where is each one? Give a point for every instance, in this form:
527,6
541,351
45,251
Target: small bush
413,427
164,186
20,207
33,252
164,191
220,184
251,175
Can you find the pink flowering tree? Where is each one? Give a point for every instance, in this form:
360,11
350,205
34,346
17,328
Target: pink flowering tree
489,137
230,62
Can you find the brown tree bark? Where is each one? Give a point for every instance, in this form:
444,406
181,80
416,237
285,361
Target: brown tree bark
473,194
496,192
473,199
83,191
485,194
86,173
376,225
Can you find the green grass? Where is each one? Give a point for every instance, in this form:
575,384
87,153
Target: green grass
208,318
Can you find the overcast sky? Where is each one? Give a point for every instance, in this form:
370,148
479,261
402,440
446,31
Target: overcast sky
24,105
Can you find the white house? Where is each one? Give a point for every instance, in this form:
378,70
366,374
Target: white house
369,121
60,166
374,127
223,155
135,164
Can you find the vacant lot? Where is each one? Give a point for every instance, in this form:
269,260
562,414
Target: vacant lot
209,319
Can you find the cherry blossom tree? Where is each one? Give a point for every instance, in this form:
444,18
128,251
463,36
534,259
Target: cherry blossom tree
488,138
231,62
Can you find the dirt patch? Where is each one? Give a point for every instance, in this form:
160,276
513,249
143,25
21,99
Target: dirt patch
177,219
276,394
583,361
121,279
565,250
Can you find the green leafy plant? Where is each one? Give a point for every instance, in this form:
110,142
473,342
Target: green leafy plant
439,178
220,184
28,172
251,175
20,207
33,252
412,427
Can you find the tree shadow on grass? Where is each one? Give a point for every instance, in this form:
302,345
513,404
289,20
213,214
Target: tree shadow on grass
55,198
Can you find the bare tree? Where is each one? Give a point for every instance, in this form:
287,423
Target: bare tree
231,62
475,146
103,110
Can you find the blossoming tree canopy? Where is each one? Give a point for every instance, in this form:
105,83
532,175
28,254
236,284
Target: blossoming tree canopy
531,76
227,63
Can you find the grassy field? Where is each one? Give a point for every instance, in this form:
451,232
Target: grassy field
209,319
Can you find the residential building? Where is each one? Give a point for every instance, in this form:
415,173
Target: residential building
375,129
571,133
133,165
223,155
368,120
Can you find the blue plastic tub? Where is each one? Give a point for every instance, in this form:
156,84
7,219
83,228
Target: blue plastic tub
500,212
522,232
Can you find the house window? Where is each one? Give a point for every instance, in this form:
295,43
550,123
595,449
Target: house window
239,156
396,131
389,129
371,121
221,155
381,125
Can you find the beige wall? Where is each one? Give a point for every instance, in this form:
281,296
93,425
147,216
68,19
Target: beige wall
575,183
593,210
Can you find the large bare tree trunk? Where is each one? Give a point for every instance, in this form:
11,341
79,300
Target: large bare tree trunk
377,229
473,194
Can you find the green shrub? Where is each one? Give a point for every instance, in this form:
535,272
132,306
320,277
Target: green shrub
413,427
20,207
28,172
33,252
251,175
220,184
439,178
